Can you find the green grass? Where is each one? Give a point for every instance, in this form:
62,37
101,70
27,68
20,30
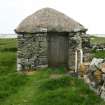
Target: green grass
10,84
8,45
97,40
7,63
65,91
99,54
40,88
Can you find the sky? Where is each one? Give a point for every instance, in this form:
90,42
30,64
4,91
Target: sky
90,13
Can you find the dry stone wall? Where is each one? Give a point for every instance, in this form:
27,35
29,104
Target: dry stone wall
32,51
95,77
75,41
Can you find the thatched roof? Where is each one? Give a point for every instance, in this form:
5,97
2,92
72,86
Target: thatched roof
48,19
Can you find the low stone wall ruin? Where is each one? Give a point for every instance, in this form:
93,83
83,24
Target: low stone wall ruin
95,76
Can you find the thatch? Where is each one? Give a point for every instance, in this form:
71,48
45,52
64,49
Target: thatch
48,19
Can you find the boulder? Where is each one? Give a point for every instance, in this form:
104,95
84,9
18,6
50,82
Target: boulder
102,67
103,91
95,64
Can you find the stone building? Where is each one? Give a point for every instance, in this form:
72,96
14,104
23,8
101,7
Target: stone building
49,38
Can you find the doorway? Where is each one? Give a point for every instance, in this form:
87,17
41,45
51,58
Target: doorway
57,49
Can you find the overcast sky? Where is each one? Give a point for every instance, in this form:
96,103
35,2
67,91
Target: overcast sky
90,13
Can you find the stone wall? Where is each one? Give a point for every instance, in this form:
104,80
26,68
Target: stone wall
75,43
32,51
95,77
86,46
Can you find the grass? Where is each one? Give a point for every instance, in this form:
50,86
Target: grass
7,63
97,40
39,88
65,91
10,84
99,54
8,45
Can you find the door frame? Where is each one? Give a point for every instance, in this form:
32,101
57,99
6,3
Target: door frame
66,34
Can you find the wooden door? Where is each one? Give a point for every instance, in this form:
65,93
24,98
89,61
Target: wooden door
57,49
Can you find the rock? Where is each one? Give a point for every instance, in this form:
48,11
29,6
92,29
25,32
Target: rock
102,66
87,57
103,76
103,95
95,64
19,67
72,73
86,79
96,76
103,91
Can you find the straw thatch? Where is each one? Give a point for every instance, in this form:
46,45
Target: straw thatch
48,19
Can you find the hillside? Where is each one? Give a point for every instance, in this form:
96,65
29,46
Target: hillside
41,87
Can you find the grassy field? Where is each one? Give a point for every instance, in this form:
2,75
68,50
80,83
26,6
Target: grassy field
99,54
97,40
43,87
